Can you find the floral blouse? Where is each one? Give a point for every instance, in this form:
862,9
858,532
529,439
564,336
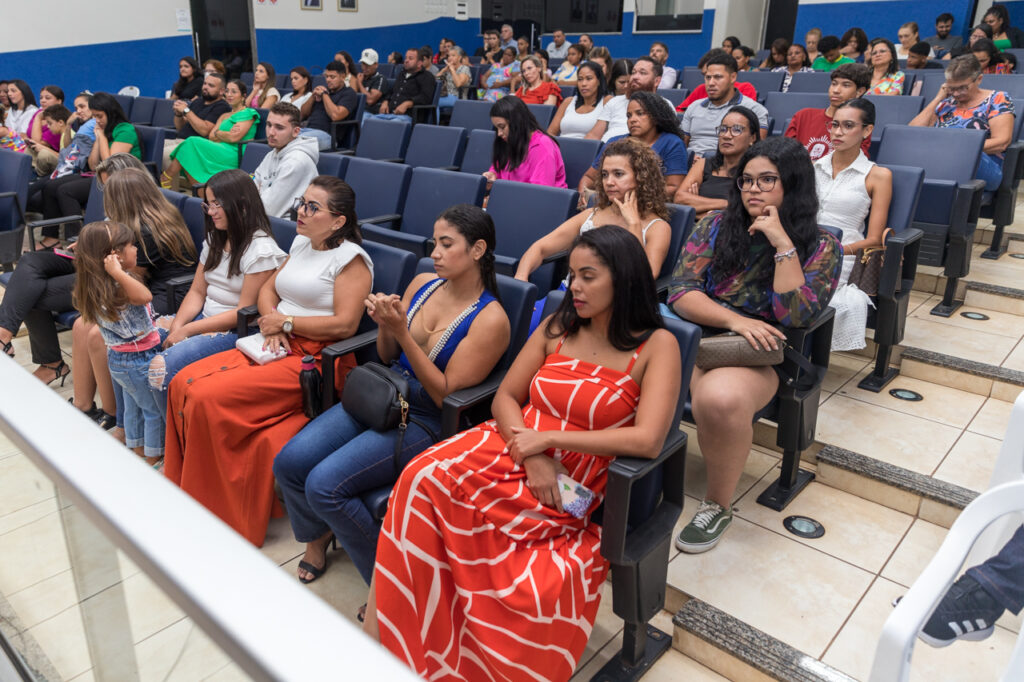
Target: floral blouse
745,291
892,84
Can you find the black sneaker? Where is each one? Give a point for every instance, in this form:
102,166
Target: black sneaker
966,612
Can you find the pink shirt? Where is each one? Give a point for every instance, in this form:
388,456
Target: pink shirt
543,164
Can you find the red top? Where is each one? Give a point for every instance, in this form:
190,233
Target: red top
540,94
701,92
810,128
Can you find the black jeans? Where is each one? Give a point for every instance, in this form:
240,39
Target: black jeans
41,283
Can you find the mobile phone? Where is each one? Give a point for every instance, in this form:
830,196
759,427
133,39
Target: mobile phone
65,253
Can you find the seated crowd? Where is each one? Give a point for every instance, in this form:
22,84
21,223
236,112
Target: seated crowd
597,378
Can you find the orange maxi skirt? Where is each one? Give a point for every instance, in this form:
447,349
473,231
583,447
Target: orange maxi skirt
227,418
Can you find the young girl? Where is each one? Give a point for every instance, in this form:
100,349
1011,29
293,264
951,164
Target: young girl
108,295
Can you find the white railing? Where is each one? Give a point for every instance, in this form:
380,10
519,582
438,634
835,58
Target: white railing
271,626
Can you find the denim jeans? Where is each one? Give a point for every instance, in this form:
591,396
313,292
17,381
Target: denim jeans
323,138
1002,576
183,354
990,169
447,103
324,470
387,117
143,419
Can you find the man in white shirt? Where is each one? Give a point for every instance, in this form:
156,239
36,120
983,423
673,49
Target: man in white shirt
646,75
659,53
559,47
286,171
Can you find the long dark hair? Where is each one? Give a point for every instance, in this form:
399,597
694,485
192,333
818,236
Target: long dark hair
302,71
182,81
894,64
341,200
27,95
807,57
521,124
718,160
243,209
602,84
108,104
664,118
798,212
1001,13
864,105
634,299
985,45
271,81
56,91
474,224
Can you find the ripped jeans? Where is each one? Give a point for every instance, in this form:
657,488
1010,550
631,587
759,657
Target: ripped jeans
169,362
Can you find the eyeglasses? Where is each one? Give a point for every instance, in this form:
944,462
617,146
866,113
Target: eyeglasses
310,207
957,89
880,53
735,130
846,125
765,183
209,206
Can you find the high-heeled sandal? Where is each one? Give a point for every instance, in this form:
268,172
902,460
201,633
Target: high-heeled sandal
106,421
361,614
166,181
7,347
313,570
92,413
60,371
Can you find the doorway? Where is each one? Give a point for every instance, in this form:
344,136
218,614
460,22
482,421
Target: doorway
222,30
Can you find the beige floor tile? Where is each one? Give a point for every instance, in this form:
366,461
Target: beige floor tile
26,515
1002,272
21,484
999,323
62,639
857,531
941,403
607,627
87,676
919,299
1016,359
853,650
340,586
31,553
7,448
901,439
794,593
45,599
970,462
149,608
970,344
946,376
841,368
229,673
993,418
918,547
758,464
181,653
280,545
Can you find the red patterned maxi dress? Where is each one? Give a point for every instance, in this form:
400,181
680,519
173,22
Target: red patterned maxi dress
475,579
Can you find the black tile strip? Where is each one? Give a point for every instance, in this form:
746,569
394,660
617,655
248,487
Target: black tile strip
980,369
986,288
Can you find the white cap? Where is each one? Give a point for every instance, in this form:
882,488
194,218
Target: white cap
369,56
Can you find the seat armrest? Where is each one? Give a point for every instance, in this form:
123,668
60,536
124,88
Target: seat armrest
331,354
63,220
797,338
336,127
174,285
505,265
455,404
397,159
386,218
400,240
555,257
967,206
447,168
245,316
900,263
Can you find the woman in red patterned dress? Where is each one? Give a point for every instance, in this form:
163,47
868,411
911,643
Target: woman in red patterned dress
480,573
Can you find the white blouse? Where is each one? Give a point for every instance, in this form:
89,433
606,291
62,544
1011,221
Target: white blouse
578,125
222,291
306,282
19,120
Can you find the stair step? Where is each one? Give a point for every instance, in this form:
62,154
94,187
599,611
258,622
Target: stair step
967,375
994,297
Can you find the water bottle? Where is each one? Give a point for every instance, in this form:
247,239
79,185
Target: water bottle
311,384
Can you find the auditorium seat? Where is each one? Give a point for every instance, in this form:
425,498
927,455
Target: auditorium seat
142,110
433,146
543,113
15,174
382,140
479,152
810,81
472,115
253,156
163,114
380,187
577,155
763,81
782,105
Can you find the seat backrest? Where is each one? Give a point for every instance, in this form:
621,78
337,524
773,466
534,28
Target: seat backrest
380,186
380,139
543,113
283,80
142,110
247,78
944,153
261,125
577,154
810,81
1011,84
763,81
332,164
434,146
15,173
472,115
253,156
479,151
524,213
392,268
895,110
94,205
691,78
906,190
782,105
681,221
152,144
283,231
674,95
195,220
176,199
163,113
933,80
126,103
432,191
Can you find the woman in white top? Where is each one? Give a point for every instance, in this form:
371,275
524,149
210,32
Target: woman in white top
264,95
23,107
239,255
578,114
302,87
851,189
909,36
230,417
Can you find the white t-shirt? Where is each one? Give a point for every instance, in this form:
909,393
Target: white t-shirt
223,292
297,101
306,282
578,125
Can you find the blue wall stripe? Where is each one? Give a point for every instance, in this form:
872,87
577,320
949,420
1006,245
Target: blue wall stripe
880,19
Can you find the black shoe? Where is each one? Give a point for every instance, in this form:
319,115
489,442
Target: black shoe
106,421
966,612
94,413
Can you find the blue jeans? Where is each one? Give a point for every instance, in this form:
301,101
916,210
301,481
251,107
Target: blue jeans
323,138
183,354
1002,576
388,117
324,470
990,169
143,418
447,102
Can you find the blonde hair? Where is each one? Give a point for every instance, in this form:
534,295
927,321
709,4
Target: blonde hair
97,295
131,197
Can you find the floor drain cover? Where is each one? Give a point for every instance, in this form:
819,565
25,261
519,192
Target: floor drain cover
803,526
906,394
974,316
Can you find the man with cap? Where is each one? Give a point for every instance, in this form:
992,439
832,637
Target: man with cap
372,81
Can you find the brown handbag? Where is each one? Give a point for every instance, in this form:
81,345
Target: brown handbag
732,350
867,269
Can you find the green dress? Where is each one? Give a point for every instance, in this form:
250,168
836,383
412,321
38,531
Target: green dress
202,158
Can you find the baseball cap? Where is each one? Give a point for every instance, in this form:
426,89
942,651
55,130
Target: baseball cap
369,56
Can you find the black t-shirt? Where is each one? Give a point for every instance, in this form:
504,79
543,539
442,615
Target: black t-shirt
161,269
192,89
376,82
207,111
342,97
418,87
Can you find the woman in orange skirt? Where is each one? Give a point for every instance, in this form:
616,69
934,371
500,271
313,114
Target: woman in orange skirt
481,572
227,416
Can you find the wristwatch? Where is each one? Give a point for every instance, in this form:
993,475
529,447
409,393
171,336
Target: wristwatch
185,111
289,325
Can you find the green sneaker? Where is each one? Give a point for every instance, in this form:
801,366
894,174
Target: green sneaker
705,530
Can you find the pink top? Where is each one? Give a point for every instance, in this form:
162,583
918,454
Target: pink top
49,137
543,164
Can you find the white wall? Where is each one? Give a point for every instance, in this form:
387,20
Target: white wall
744,19
288,14
35,25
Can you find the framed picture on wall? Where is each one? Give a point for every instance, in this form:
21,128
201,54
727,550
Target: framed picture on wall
311,4
348,5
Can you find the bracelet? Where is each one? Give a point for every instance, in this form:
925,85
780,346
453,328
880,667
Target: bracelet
785,255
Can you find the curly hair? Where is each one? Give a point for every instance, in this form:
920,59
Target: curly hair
650,182
662,115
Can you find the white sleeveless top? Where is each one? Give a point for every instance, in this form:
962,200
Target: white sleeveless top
578,125
306,282
843,201
588,225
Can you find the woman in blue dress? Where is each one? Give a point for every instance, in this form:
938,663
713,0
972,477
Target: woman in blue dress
446,333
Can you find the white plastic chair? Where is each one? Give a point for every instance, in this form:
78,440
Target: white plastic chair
997,514
129,90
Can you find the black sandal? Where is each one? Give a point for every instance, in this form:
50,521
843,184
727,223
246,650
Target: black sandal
60,371
361,614
313,570
7,347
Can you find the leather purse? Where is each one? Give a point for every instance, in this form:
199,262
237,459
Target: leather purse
867,269
732,350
